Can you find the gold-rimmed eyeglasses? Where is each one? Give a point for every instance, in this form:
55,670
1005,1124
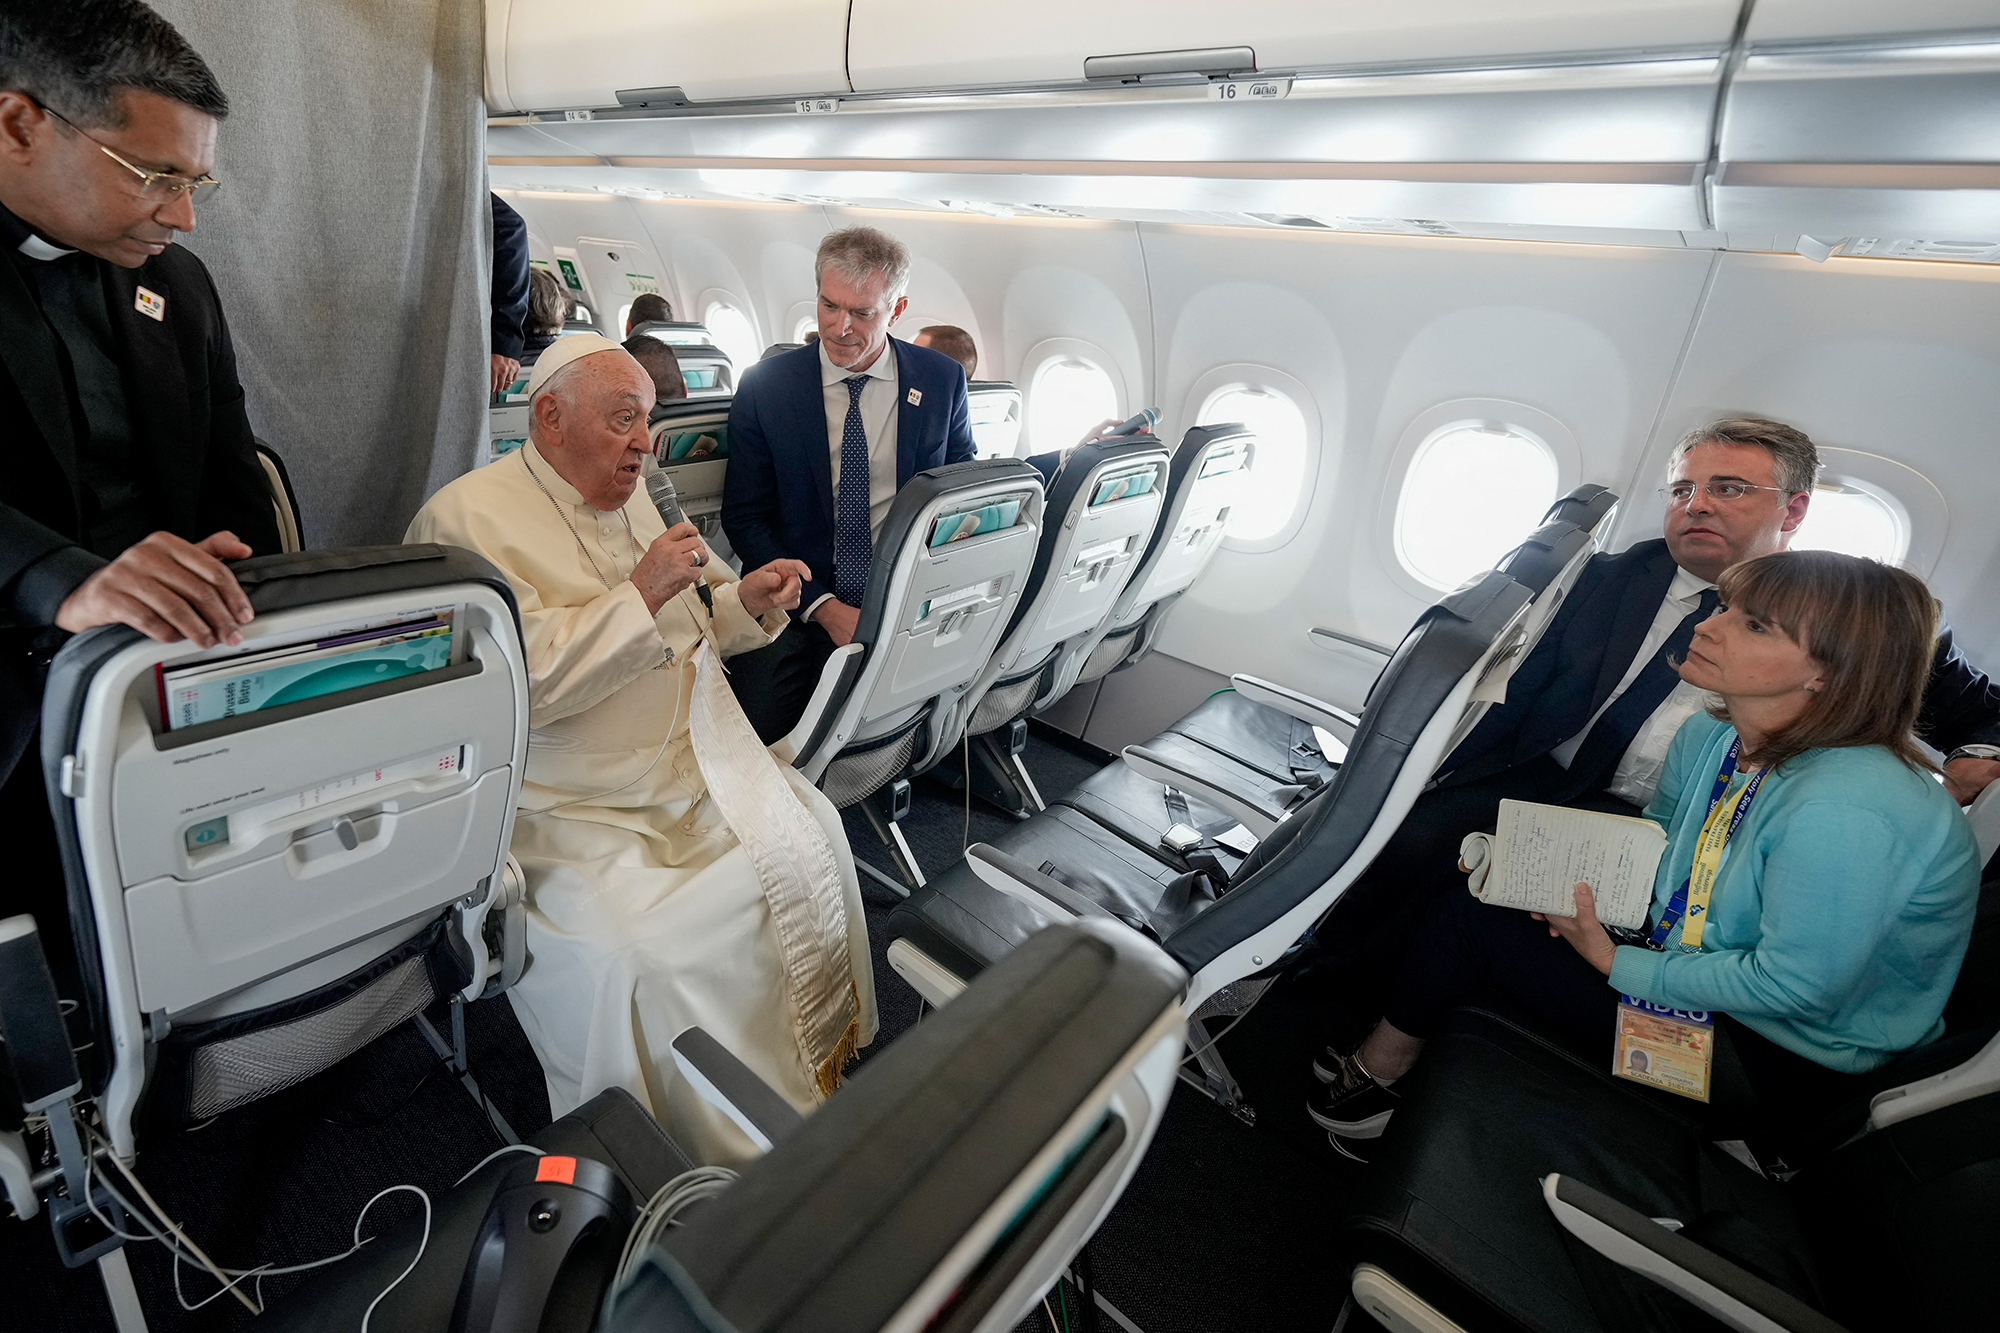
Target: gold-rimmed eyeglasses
1682,492
161,185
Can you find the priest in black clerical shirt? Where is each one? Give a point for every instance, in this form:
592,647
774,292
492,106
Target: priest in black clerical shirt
131,473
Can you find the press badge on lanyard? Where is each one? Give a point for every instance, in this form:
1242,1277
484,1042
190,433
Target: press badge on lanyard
1664,1048
1673,1048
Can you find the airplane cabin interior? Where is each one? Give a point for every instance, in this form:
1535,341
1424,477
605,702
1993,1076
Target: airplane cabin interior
1286,412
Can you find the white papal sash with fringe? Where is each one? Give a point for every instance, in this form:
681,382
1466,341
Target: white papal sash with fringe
796,866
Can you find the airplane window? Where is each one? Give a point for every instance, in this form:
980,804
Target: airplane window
1855,522
1472,493
733,333
1266,506
624,313
806,325
1065,399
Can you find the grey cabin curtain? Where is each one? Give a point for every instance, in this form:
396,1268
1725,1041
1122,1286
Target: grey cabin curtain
350,243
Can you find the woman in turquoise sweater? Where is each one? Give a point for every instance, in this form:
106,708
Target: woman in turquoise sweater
1818,885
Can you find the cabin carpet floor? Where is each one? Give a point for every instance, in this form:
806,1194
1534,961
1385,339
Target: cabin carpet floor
1223,1227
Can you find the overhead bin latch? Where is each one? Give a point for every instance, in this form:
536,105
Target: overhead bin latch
654,97
1207,60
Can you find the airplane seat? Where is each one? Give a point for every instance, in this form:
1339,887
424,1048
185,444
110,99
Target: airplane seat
674,333
691,444
1261,748
1104,506
284,500
951,562
1587,506
1520,1185
1209,467
1239,930
872,1212
276,853
706,370
506,424
995,409
779,349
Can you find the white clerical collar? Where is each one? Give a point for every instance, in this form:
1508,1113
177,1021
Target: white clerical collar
883,369
1687,587
37,248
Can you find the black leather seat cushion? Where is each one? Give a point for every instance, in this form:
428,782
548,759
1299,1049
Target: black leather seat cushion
1274,795
1135,808
1242,734
1892,1230
1452,1206
611,1128
965,924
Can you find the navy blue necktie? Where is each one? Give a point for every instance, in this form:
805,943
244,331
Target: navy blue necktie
1597,758
852,542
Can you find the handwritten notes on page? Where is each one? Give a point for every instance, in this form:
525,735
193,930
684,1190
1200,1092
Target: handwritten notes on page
1540,852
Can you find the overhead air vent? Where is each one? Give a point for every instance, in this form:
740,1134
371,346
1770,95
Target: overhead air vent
1965,252
1290,220
995,209
1375,226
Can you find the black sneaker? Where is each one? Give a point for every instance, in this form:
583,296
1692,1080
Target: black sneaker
1358,1112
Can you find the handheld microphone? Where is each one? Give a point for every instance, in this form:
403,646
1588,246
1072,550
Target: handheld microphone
1143,421
660,490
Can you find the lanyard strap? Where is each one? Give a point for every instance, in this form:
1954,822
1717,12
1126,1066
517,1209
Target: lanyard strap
1691,899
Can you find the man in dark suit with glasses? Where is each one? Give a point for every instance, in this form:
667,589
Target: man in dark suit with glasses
1590,714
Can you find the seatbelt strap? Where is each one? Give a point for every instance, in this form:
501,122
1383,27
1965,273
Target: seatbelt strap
1202,855
1305,758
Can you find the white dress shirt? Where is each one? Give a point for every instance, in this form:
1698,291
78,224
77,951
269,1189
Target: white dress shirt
878,421
1638,773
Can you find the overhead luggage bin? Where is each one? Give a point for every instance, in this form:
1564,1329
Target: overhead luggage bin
1887,138
591,53
897,44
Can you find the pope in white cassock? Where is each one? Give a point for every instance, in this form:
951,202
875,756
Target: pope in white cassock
677,875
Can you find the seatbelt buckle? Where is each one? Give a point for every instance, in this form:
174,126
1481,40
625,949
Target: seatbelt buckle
1181,839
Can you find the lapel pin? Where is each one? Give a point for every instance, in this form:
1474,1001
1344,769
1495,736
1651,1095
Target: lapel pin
151,304
916,396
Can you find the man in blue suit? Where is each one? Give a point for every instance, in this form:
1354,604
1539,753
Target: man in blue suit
820,441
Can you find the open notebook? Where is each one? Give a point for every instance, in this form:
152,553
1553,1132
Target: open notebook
1539,852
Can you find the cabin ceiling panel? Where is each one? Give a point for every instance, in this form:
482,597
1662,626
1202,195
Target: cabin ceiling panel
898,44
1805,20
564,53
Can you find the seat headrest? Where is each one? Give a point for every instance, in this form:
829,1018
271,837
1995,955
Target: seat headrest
906,513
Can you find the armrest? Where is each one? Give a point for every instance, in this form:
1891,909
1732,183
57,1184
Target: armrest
1311,711
1151,764
834,678
31,1022
1975,1078
1632,1240
1984,812
507,895
1017,879
734,1089
17,1175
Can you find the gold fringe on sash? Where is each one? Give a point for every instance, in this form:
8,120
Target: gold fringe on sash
832,1071
796,867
